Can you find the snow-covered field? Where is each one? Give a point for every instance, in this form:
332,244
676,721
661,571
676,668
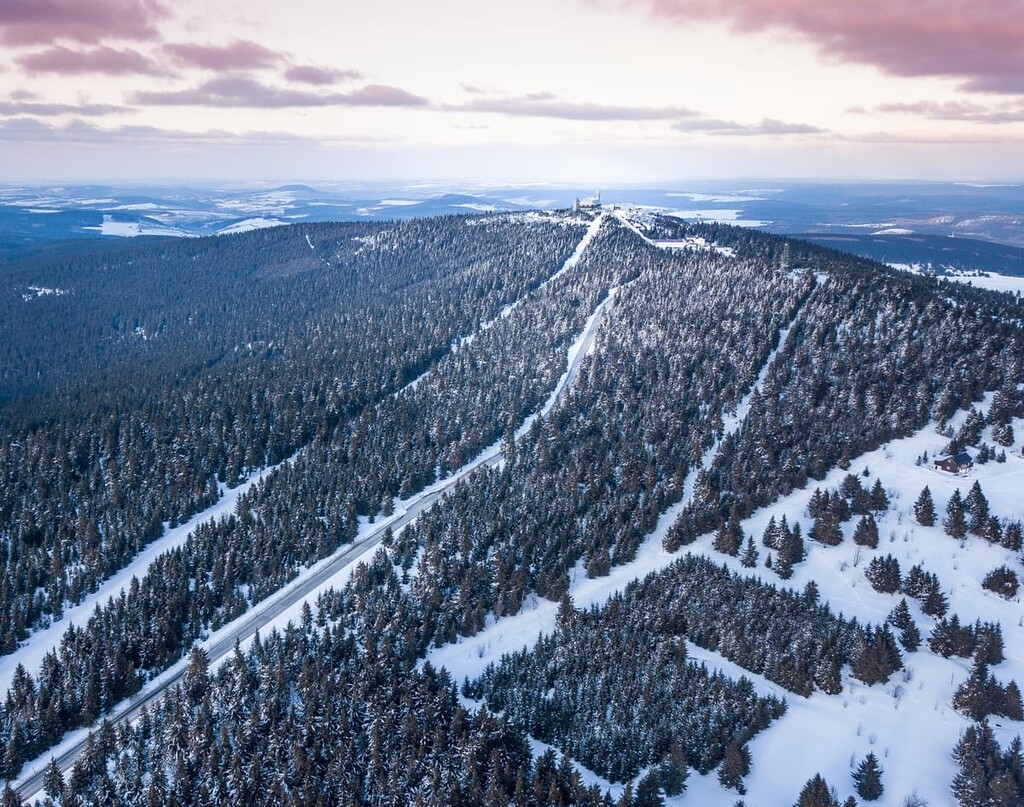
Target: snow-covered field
131,229
246,225
694,243
992,281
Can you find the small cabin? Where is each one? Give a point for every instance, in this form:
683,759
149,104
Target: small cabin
957,464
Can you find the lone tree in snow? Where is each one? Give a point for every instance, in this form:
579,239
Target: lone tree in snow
956,519
868,778
924,508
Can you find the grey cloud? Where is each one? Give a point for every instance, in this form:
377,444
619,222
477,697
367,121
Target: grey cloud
244,91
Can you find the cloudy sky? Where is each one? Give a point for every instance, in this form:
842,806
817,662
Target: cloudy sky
595,91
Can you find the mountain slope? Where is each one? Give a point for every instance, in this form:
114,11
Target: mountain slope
730,374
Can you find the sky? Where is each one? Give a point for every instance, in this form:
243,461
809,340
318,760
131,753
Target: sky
531,91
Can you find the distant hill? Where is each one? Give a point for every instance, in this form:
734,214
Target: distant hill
934,252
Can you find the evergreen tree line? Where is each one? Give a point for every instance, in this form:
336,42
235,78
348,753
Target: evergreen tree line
613,688
585,484
244,362
874,356
296,516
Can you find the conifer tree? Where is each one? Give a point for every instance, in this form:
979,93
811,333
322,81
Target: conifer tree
924,508
648,791
750,554
977,508
826,530
817,793
674,770
866,532
900,616
1012,536
827,675
884,574
955,522
879,498
868,778
729,538
735,765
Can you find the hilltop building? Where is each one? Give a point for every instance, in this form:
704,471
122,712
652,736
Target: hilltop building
594,203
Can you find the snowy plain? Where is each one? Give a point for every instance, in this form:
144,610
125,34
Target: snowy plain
993,281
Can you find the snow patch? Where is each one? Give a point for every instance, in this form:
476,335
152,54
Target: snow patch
35,292
246,225
132,229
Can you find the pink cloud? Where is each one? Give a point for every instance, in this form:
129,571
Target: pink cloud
953,110
31,22
980,41
319,76
97,60
238,55
244,91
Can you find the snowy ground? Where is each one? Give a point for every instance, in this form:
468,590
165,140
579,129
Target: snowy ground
993,281
131,229
246,225
695,244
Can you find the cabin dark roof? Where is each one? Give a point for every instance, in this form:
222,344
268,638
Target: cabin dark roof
963,458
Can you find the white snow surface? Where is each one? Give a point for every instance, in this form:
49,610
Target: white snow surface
30,653
246,225
694,243
993,281
131,229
